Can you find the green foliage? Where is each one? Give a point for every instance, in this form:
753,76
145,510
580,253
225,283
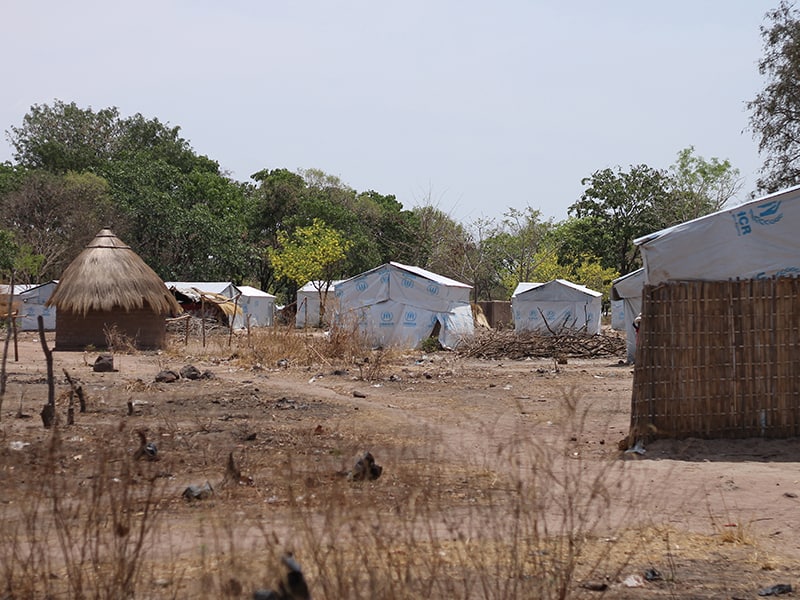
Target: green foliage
699,186
616,207
774,110
55,216
310,253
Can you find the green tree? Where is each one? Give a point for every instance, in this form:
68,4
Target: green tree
312,253
699,187
64,137
515,246
615,208
55,216
774,111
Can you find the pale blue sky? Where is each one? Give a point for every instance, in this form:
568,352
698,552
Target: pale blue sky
475,107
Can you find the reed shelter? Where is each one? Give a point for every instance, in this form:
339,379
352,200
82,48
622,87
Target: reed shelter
107,292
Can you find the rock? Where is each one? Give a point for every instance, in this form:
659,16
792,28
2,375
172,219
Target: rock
191,372
167,376
198,492
365,469
104,364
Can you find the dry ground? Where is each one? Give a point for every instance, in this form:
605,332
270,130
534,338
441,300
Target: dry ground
454,436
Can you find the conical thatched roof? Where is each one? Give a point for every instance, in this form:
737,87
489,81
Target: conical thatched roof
107,276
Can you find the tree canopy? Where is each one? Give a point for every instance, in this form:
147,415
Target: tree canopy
78,170
774,111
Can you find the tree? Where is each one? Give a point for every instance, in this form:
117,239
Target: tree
55,216
313,253
775,110
615,208
64,137
515,244
699,187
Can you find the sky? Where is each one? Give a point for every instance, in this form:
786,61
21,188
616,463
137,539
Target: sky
475,108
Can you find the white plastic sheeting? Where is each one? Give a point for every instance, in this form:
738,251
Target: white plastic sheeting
558,304
400,305
628,291
754,240
32,305
617,315
258,307
308,303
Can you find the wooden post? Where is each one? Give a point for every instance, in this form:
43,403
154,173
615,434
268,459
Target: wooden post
233,318
77,390
49,410
203,317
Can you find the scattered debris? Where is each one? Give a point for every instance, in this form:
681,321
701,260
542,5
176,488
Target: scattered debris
776,590
637,448
286,403
497,343
146,450
292,587
633,581
104,364
365,469
283,363
198,492
595,586
653,575
359,394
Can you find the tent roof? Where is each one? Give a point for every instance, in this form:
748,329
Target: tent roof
755,239
108,275
212,287
252,291
440,279
527,287
524,286
313,286
628,286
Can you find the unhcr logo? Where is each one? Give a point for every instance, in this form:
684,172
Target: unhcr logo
766,214
387,318
410,318
407,283
362,285
433,289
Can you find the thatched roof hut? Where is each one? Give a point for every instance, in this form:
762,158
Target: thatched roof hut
108,291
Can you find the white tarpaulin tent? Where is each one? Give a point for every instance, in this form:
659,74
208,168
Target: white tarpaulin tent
400,305
756,239
308,303
557,304
32,300
258,307
617,315
628,291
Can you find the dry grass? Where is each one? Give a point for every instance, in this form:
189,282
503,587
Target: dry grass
527,518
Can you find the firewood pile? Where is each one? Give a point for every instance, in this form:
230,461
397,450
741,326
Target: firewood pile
523,344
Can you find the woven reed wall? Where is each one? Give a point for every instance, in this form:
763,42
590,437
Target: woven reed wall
718,360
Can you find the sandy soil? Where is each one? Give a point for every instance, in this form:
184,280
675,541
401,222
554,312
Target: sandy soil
741,497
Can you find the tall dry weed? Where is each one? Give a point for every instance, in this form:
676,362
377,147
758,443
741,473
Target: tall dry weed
80,538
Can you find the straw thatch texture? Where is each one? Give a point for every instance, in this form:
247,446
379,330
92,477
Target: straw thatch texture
718,360
109,290
108,276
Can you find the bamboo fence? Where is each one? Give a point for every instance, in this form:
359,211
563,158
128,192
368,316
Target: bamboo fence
718,359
